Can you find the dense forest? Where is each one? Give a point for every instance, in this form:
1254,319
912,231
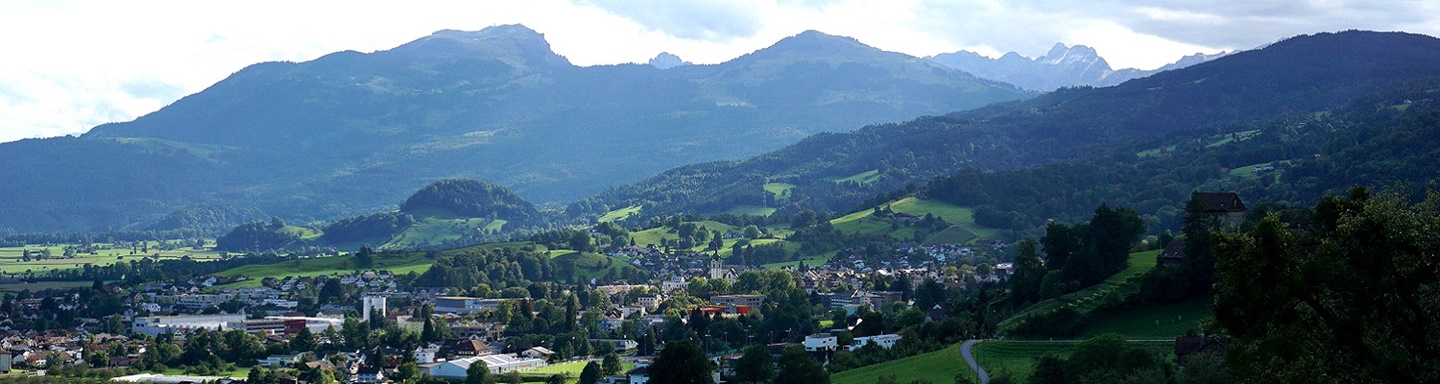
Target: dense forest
471,198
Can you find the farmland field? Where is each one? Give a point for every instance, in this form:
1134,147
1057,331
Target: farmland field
12,258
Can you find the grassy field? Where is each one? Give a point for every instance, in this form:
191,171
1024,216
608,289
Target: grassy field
1018,357
1230,138
304,233
1015,357
1249,172
236,373
593,265
1086,300
413,262
653,235
553,253
937,367
43,285
324,266
863,177
1155,151
620,214
1157,322
570,370
953,235
752,210
865,221
11,258
781,191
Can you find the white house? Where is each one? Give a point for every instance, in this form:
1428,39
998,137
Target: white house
279,360
886,341
639,375
821,342
426,355
370,375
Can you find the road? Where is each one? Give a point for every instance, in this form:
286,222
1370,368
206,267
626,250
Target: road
970,359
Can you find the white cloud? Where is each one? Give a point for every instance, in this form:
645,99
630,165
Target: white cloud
71,65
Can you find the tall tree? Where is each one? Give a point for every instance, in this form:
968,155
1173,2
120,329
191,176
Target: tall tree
1199,252
755,366
647,342
1114,231
590,374
1029,273
304,341
797,367
477,373
1060,242
611,364
365,257
1352,300
681,362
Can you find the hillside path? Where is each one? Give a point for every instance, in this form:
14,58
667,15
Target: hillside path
970,359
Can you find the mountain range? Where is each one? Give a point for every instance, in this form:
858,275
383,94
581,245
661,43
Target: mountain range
353,133
1062,66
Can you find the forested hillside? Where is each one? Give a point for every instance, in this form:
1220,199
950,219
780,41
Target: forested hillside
1147,142
445,214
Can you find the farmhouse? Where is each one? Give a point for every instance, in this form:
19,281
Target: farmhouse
1226,206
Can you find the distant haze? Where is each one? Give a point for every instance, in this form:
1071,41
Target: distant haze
73,65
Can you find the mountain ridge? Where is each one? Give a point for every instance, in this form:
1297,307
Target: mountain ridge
1292,78
285,138
1061,66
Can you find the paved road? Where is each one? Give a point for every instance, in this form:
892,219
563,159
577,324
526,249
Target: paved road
970,359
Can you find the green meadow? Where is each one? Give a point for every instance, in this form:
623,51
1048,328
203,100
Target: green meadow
935,367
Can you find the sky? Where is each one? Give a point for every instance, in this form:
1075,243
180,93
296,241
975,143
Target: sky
71,65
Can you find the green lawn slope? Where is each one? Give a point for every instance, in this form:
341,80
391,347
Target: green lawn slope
1154,322
965,229
326,266
1018,357
620,214
936,367
437,230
